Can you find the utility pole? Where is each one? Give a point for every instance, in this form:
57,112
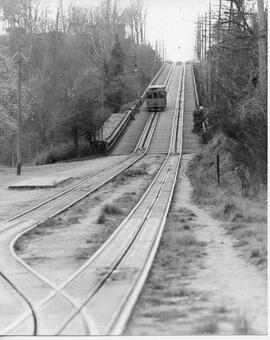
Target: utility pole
198,40
102,80
155,59
62,16
230,14
163,49
219,13
262,49
202,38
205,34
73,95
210,32
209,54
219,20
19,58
205,60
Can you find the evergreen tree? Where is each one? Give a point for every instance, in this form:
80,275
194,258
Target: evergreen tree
117,58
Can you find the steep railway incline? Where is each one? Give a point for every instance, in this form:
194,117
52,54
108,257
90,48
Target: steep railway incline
162,136
108,284
98,298
30,291
130,137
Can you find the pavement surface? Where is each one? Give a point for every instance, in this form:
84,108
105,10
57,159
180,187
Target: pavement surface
16,201
39,182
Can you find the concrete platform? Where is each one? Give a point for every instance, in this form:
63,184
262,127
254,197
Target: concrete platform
38,183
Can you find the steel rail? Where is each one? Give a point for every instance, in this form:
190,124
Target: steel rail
119,128
136,231
196,94
30,269
118,325
117,132
113,267
84,182
36,307
153,115
195,86
108,174
28,303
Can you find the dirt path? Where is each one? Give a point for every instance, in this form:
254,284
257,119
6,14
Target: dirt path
213,290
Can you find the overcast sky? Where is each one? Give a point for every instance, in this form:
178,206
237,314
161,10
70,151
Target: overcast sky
173,20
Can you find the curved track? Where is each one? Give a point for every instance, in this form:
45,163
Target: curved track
98,298
28,220
98,286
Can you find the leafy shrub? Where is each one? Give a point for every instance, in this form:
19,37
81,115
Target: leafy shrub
135,172
62,152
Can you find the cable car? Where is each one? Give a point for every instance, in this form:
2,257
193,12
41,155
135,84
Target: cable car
156,97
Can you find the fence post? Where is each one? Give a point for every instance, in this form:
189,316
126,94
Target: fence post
218,172
29,150
36,148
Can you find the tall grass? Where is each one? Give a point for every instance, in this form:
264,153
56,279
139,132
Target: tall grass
108,209
207,326
246,217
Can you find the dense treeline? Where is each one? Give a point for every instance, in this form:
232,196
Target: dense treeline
81,64
230,88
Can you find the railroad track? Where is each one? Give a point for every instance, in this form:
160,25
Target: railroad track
135,129
116,274
113,266
19,224
128,140
94,181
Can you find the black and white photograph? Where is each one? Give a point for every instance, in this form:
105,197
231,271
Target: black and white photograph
133,168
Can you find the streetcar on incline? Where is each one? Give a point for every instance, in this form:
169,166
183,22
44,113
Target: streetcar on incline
156,98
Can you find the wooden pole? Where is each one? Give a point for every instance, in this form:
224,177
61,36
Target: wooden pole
76,134
209,55
29,150
219,13
102,79
218,172
205,35
262,49
12,159
36,148
202,38
205,65
19,59
230,14
210,32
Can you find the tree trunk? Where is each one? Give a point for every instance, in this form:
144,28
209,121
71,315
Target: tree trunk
76,133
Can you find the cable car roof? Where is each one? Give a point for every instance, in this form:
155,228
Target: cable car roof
156,87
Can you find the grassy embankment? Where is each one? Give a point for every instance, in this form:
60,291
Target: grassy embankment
245,214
